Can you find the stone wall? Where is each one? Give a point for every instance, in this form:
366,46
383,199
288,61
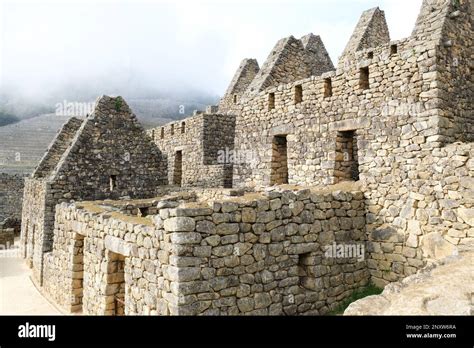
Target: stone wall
260,254
454,74
311,126
37,219
192,149
11,193
11,188
435,201
402,117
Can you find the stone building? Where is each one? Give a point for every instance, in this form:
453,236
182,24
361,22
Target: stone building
107,155
193,149
349,175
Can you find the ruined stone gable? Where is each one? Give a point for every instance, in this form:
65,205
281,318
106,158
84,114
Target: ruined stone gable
107,155
316,57
111,144
371,31
290,60
244,75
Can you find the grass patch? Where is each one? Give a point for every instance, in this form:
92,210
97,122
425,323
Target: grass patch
368,290
118,104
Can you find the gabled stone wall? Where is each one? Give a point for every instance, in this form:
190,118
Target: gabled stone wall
108,155
244,75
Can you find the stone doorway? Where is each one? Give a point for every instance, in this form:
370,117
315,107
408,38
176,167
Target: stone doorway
279,165
178,168
115,291
347,158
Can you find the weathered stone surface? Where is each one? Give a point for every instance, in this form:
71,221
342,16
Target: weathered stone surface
434,246
440,290
467,215
179,224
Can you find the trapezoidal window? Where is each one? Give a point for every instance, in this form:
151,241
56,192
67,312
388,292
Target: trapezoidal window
298,94
370,55
304,262
327,88
113,182
279,165
364,78
183,127
162,133
393,49
142,212
172,129
235,98
271,101
178,168
347,158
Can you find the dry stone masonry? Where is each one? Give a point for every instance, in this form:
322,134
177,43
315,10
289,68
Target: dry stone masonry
254,255
197,150
306,183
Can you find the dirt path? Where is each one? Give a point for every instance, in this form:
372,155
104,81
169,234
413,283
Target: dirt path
18,295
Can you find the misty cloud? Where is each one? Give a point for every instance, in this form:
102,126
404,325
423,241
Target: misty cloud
52,50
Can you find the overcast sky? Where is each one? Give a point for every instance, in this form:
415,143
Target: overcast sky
166,44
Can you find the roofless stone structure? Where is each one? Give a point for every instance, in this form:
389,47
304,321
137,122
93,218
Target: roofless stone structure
306,183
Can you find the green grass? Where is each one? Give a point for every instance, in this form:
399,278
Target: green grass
368,290
118,104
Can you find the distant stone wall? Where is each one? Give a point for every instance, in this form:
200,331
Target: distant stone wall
243,255
11,195
7,237
192,147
